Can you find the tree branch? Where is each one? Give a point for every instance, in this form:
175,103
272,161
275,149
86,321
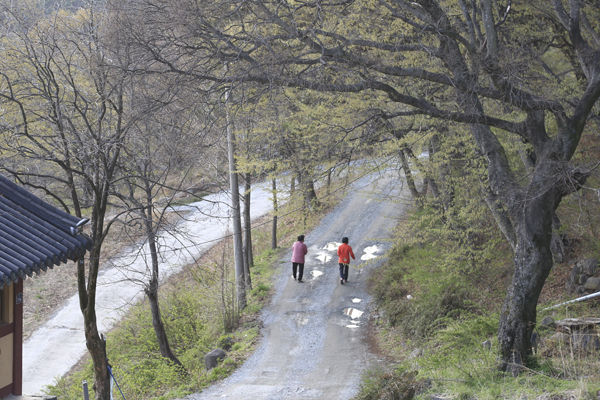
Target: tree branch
490,30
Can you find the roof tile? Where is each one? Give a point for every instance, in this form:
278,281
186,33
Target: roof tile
34,235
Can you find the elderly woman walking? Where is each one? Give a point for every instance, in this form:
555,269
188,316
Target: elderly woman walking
299,250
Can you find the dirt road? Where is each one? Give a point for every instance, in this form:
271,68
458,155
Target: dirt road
314,336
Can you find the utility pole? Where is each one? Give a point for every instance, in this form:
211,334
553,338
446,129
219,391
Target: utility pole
235,207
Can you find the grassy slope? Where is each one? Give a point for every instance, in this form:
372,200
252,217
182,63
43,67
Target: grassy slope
435,340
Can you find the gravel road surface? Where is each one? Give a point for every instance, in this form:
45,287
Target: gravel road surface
313,343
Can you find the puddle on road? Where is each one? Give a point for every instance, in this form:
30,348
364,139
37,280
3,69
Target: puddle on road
315,273
353,313
331,246
323,257
356,300
370,252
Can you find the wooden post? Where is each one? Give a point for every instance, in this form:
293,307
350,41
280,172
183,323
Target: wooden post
86,394
18,340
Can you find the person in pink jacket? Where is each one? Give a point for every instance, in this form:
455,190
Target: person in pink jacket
299,250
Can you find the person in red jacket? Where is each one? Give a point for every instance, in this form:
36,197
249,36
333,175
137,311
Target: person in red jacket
344,253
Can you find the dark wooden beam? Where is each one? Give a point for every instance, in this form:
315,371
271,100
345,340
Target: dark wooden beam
18,340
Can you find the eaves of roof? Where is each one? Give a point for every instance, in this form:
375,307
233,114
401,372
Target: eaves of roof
35,235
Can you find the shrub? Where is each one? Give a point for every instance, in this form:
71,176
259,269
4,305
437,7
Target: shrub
394,385
435,296
260,291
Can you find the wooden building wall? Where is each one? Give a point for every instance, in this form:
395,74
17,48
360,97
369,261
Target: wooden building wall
11,337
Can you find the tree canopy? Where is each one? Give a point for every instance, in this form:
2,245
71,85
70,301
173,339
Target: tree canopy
525,73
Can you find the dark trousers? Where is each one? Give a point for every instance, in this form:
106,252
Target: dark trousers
300,268
344,271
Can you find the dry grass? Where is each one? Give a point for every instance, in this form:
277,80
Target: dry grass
45,293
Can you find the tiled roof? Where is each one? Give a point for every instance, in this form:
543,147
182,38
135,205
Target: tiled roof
34,235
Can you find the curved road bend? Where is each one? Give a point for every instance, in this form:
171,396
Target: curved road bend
313,343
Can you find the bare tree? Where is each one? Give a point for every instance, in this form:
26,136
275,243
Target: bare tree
159,153
69,114
150,174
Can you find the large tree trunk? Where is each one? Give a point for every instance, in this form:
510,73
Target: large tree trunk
248,256
529,158
533,261
532,218
502,219
97,348
94,343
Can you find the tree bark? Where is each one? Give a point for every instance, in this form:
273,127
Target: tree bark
431,181
502,219
97,349
157,323
151,288
533,262
412,187
248,256
275,210
94,343
557,246
310,195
